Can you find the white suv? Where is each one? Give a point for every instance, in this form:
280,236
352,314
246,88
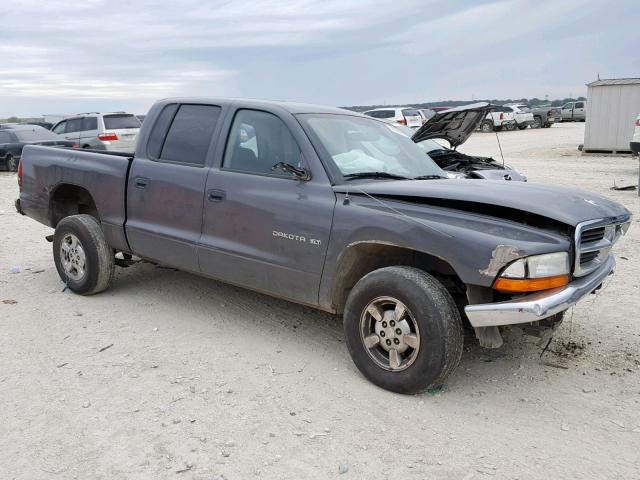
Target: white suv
408,116
522,115
115,131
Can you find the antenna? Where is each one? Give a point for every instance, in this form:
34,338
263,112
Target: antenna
500,147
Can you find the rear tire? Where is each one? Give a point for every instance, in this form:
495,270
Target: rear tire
486,126
83,259
537,123
424,345
12,163
522,127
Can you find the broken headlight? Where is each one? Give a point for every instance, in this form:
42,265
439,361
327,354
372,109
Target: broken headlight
535,273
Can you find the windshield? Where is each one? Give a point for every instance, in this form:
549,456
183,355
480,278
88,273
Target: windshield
36,133
361,145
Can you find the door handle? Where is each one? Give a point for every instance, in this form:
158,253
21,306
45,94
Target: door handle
216,195
141,182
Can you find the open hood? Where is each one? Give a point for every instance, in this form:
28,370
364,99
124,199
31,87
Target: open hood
454,125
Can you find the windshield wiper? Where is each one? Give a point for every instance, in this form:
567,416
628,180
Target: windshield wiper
354,176
428,177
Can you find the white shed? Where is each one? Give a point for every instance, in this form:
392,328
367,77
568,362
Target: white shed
612,107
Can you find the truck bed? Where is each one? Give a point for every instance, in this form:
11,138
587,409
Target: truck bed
49,173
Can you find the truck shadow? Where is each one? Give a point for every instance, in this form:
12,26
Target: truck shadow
254,315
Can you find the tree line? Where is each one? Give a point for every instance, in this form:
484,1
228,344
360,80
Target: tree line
534,102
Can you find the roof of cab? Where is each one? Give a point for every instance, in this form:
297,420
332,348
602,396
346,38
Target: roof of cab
291,107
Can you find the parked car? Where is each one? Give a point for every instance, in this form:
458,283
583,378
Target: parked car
455,126
522,115
401,115
14,137
574,111
634,145
334,210
101,131
499,118
544,117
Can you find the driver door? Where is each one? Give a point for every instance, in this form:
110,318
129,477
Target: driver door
265,229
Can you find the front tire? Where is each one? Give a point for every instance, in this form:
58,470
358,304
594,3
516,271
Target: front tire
403,329
83,259
12,163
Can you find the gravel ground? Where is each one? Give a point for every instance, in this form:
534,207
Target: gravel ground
168,375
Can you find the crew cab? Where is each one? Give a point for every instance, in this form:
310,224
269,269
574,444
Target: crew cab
574,111
334,210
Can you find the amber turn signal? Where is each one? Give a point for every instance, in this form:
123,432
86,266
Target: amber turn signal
523,285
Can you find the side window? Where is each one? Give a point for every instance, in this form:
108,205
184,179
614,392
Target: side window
189,135
386,114
73,125
89,123
159,131
580,105
5,137
257,141
59,128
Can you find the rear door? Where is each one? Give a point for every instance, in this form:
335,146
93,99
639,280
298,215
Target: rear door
264,229
88,137
125,126
166,185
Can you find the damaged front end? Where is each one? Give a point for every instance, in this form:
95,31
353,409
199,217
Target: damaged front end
535,296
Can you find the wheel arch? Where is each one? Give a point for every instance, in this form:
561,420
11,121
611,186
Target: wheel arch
360,258
67,199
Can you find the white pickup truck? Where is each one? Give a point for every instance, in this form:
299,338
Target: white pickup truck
499,118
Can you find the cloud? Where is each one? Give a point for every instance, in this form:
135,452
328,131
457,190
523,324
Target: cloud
83,55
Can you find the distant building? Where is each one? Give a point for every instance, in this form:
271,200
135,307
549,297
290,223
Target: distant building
612,107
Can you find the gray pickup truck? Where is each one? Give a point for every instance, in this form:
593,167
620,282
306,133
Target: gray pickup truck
334,210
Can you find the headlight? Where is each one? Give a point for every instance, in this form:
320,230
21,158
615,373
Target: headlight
535,273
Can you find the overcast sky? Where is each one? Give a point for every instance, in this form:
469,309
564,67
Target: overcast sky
64,56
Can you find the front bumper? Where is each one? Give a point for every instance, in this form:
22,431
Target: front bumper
540,305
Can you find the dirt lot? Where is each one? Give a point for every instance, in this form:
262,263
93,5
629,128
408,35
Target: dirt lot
168,375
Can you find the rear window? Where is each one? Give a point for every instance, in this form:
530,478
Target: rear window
34,134
410,112
524,108
384,114
189,136
118,121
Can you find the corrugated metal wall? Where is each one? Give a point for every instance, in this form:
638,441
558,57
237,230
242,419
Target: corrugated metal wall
611,113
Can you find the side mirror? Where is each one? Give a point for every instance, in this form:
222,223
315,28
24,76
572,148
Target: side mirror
300,173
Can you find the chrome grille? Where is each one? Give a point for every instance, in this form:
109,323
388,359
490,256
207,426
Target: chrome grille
593,242
592,235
